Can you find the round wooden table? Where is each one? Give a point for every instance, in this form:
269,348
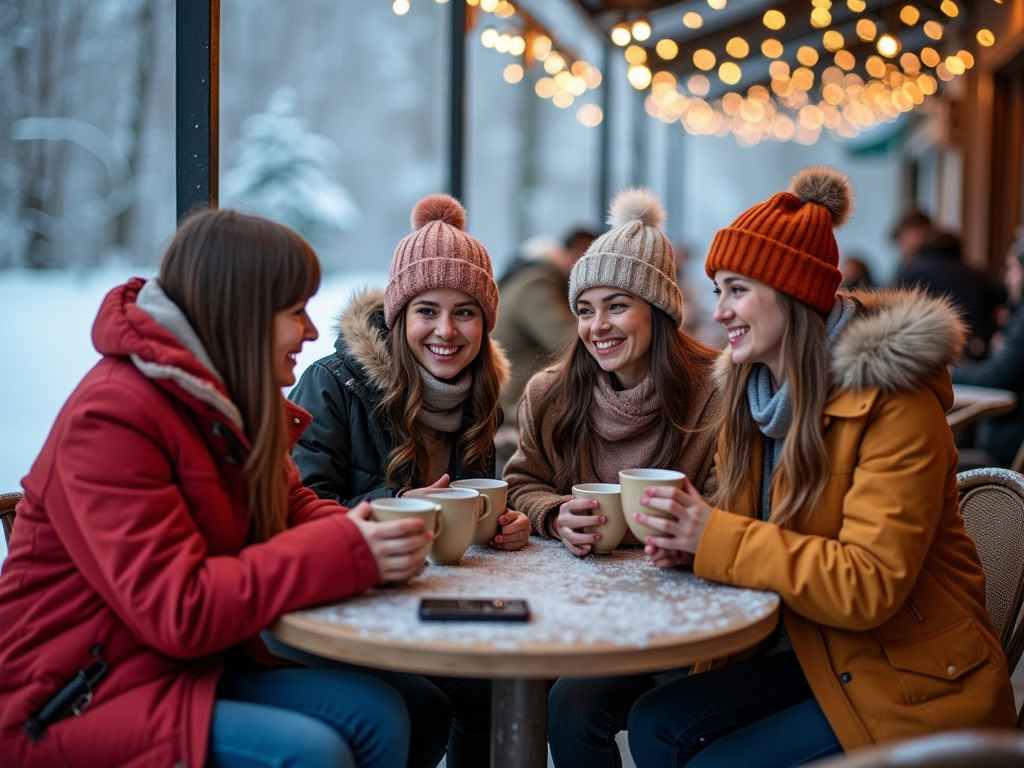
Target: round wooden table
594,616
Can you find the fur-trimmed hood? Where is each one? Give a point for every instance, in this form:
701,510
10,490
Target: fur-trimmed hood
361,338
897,339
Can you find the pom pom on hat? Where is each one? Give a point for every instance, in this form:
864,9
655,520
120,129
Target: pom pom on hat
443,208
636,204
828,188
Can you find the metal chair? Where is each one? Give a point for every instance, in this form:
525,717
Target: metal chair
8,501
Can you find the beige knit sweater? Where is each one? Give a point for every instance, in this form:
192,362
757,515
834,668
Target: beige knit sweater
531,471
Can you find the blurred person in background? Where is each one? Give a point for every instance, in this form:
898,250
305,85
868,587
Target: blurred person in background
164,525
910,232
1002,436
535,322
697,321
856,274
409,399
938,267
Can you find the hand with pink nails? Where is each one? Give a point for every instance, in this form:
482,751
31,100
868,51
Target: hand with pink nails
688,515
573,515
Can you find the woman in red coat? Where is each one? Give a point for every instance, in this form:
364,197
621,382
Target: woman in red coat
164,525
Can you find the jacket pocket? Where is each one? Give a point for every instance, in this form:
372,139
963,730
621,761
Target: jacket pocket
931,665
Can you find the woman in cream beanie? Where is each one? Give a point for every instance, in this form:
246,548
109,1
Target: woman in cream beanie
410,399
632,391
838,491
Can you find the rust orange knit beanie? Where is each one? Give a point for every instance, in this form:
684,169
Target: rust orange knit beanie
787,241
440,254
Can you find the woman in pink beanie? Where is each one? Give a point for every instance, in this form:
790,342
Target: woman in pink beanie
410,399
838,491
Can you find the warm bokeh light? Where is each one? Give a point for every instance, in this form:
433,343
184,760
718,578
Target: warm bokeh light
541,47
927,84
966,58
737,47
400,7
693,20
590,115
717,4
504,10
513,73
517,46
562,99
857,6
503,43
950,8
846,60
866,29
933,29
698,85
554,63
663,81
986,38
704,59
641,30
639,76
489,37
489,6
803,78
772,48
875,66
779,70
833,40
930,57
807,56
592,77
909,15
774,20
943,74
636,54
888,46
730,73
621,34
545,88
910,62
820,18
667,49
954,65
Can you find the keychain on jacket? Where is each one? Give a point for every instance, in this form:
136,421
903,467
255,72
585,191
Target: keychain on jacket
72,699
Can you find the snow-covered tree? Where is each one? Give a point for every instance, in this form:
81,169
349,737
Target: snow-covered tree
283,172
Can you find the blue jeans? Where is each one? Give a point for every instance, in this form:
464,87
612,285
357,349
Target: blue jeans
307,718
759,712
448,715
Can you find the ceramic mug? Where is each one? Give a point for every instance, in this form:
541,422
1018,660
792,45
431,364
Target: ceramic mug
462,509
384,510
496,492
609,504
633,482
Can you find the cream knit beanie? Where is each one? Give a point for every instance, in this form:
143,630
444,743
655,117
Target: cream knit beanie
634,255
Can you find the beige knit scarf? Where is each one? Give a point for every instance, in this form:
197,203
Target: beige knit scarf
627,425
444,400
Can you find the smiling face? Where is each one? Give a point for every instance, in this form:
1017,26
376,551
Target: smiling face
444,329
292,328
615,326
751,314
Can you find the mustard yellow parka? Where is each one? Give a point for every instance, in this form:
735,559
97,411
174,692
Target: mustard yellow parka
883,594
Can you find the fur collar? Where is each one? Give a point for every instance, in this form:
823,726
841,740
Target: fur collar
897,338
360,337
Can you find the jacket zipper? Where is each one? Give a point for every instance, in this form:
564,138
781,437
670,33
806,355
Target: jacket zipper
913,611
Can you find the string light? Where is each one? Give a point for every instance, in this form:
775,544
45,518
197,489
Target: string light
621,35
641,30
667,49
693,20
774,20
909,15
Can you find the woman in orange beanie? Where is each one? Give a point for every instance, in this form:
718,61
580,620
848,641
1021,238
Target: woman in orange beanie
410,399
837,490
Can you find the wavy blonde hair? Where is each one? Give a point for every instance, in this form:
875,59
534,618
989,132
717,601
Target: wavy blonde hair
803,470
230,273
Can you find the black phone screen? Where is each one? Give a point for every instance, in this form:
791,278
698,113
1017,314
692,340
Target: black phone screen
462,609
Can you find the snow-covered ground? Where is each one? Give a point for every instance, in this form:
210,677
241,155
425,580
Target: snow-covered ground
46,346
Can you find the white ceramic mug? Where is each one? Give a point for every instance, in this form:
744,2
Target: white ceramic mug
462,509
609,503
496,492
633,482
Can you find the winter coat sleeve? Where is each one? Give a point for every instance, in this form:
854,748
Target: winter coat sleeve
1003,370
324,450
890,513
124,519
529,473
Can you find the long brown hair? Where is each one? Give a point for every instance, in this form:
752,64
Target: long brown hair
409,462
678,362
230,273
804,468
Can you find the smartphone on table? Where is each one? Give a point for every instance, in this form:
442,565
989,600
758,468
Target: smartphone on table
464,609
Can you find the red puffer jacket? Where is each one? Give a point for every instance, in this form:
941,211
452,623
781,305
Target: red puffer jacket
132,537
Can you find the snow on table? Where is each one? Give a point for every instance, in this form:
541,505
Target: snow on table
617,599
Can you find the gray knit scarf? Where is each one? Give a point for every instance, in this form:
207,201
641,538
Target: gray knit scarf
444,400
773,410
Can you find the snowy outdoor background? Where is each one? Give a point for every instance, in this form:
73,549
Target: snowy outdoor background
333,120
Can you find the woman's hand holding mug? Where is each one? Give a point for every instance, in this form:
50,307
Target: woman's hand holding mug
399,547
515,531
572,516
683,529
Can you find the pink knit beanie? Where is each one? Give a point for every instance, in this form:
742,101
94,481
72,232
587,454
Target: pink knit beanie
440,254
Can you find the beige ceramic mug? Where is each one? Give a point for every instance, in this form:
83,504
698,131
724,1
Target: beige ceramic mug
496,493
384,510
609,504
462,509
633,482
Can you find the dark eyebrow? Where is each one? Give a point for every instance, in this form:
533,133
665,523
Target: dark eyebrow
466,304
424,301
611,296
728,280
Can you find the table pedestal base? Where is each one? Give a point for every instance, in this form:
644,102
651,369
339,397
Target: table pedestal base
519,723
